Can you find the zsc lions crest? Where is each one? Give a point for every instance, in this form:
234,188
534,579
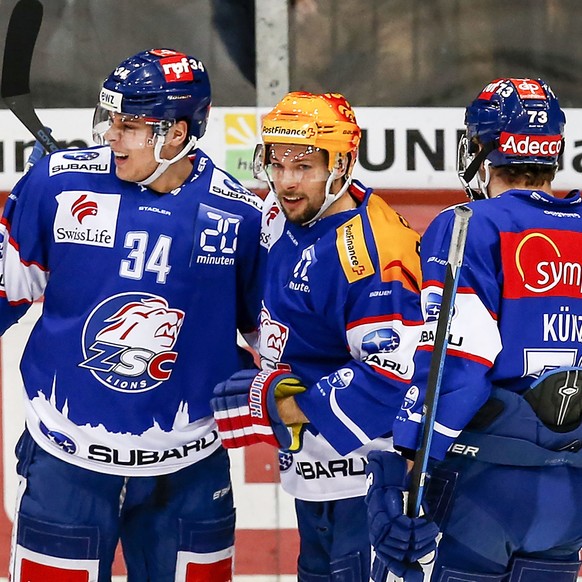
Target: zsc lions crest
128,341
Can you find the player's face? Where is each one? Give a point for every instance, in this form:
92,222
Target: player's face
299,175
131,140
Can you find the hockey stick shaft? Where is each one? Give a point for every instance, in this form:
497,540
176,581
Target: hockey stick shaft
21,35
455,260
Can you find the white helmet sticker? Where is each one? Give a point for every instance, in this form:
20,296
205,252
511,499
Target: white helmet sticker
110,100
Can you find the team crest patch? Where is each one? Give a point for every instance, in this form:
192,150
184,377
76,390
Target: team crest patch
341,378
273,337
128,341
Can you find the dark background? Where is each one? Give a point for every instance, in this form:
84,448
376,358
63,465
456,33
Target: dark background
377,52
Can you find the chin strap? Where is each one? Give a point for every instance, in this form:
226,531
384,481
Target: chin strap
164,164
342,167
484,182
329,197
473,168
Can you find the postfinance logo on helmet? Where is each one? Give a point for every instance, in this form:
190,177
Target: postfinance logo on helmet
324,121
302,132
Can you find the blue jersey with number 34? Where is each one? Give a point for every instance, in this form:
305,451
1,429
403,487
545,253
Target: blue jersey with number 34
143,295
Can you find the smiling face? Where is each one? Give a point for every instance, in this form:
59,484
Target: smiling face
299,174
131,140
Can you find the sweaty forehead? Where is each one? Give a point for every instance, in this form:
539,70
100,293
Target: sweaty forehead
293,153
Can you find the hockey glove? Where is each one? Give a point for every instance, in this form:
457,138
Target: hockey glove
245,409
400,541
38,152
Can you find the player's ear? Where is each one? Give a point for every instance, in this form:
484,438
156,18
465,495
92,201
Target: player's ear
341,165
178,133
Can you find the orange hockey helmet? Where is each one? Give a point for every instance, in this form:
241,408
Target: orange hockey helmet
326,122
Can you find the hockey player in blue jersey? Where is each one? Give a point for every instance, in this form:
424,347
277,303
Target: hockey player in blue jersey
148,257
508,422
339,325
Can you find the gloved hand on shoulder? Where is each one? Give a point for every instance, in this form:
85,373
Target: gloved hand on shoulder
245,409
400,541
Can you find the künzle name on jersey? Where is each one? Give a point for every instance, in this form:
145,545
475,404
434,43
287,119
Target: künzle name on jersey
95,161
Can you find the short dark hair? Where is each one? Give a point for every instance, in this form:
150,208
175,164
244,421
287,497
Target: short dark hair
535,175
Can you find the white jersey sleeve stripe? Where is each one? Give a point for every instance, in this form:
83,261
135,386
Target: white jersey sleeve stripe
22,281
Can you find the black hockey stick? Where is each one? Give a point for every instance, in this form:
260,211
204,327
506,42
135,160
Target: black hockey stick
21,36
455,260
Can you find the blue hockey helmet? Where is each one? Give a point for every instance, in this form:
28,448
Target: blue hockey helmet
160,84
515,121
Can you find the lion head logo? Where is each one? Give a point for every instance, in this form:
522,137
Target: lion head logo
272,338
149,323
129,339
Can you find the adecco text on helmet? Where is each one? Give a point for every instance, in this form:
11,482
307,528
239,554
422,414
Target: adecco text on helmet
530,145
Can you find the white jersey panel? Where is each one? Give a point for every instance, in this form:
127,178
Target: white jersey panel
319,473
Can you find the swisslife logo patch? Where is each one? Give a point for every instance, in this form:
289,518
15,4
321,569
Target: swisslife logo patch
542,263
86,218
